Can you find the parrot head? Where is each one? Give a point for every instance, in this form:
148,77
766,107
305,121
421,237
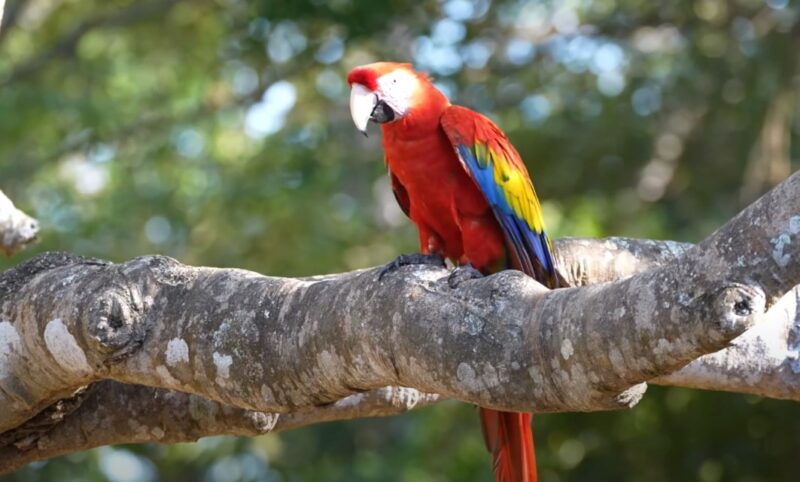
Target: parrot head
385,92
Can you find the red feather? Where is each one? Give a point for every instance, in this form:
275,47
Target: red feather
366,77
509,437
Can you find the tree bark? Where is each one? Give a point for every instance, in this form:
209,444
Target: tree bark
116,413
256,346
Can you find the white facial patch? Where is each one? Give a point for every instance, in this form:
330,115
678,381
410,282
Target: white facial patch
396,89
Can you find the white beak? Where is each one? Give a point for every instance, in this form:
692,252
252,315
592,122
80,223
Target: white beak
362,102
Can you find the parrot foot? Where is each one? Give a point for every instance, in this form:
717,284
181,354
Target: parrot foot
411,259
463,273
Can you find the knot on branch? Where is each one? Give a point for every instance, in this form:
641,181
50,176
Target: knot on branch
116,318
736,307
114,322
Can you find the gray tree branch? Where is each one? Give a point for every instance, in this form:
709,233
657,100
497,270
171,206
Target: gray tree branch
17,229
115,413
133,413
764,361
280,345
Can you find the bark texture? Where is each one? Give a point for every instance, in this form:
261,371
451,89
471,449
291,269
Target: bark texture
113,413
257,353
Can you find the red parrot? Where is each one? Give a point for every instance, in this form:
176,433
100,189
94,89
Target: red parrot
459,179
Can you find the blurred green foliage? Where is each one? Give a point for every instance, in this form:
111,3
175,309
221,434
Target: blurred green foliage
217,132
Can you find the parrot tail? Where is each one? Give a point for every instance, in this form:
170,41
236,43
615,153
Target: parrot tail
509,438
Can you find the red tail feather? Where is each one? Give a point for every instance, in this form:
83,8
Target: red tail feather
509,437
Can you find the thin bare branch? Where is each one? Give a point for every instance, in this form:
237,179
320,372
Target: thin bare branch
17,229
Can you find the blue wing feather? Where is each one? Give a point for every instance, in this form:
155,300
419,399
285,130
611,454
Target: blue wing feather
518,213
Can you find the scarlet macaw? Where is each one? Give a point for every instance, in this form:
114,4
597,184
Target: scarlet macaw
459,179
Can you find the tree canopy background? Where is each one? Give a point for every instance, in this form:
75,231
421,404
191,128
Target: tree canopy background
217,132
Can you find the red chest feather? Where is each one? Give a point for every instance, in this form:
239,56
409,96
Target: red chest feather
451,214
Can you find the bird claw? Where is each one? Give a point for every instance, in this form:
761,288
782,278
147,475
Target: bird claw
463,273
411,259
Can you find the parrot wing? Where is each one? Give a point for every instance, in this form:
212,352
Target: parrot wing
400,194
497,169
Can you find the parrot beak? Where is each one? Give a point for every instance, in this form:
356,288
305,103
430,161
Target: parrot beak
362,103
